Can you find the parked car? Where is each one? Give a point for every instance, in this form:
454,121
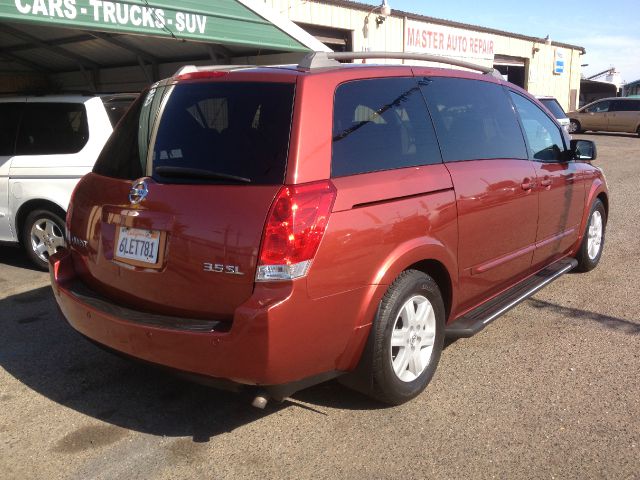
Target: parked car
47,143
556,110
615,114
276,227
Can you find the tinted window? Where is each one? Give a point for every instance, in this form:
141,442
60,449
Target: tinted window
473,119
9,120
543,136
125,153
598,107
554,107
239,129
627,105
381,124
116,109
52,128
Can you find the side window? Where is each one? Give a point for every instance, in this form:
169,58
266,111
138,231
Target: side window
627,105
116,110
599,107
381,124
543,136
52,128
473,119
9,120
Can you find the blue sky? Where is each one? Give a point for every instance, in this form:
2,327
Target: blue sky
609,31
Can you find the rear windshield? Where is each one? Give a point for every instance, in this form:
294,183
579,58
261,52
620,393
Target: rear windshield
554,107
229,129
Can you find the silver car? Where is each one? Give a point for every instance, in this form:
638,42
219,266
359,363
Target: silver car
557,111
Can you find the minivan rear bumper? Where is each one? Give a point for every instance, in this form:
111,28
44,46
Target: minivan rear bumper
279,336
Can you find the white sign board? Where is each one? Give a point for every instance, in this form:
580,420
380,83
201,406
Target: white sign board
447,41
558,62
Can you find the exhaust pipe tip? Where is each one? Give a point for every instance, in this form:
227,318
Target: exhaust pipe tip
260,400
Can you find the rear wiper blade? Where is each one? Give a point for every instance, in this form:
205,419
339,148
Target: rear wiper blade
187,172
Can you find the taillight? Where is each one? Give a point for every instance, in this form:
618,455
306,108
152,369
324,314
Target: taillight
295,225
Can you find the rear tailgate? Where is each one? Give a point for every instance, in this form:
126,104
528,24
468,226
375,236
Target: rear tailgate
172,218
207,260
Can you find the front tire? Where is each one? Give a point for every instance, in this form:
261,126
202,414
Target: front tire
42,236
408,335
593,240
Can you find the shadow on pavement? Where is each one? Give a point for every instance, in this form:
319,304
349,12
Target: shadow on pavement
610,134
614,323
40,350
15,256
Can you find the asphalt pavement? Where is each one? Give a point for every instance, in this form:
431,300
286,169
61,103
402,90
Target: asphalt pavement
549,390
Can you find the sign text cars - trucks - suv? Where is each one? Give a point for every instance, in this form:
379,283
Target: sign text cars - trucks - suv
281,226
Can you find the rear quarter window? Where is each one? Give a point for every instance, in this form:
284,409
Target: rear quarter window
628,105
381,124
52,128
9,119
473,119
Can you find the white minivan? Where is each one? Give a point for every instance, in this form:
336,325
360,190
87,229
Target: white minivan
47,143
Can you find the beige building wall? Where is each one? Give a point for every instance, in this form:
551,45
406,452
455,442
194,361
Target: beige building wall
539,56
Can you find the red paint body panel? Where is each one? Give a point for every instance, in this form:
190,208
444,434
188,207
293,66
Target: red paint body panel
278,336
473,218
395,212
497,222
561,204
219,225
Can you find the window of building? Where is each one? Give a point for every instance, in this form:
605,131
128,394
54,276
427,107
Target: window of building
473,119
381,124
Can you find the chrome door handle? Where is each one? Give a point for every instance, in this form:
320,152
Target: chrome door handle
528,184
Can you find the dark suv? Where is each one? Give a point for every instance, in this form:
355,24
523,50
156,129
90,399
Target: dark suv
281,226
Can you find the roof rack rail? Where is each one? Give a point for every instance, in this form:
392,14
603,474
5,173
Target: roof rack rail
330,59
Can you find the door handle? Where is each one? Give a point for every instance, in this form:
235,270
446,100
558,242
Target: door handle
528,184
546,182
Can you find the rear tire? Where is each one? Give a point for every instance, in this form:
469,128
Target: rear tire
42,236
408,335
575,127
593,240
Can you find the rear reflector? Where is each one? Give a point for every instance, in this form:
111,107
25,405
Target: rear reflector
296,223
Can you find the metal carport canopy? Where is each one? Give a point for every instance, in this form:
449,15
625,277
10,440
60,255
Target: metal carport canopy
51,37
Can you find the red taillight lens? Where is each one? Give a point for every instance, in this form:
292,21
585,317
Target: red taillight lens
295,225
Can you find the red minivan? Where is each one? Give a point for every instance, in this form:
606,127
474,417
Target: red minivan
276,227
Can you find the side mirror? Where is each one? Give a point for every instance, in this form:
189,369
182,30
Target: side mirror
583,150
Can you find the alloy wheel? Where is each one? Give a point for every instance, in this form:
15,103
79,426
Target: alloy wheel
594,235
412,338
46,238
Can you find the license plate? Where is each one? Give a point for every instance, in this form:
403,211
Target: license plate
138,247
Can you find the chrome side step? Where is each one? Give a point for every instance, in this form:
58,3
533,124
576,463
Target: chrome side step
478,318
